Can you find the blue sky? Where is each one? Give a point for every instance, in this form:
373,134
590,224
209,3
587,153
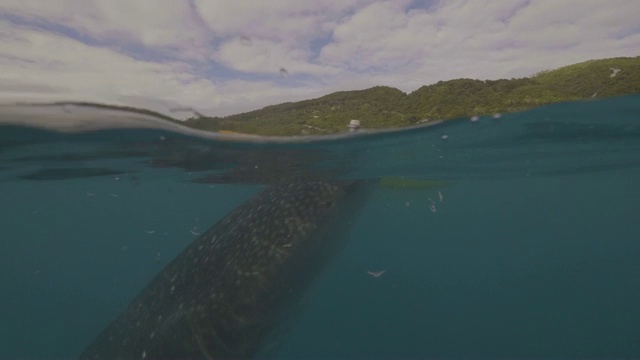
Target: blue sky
222,56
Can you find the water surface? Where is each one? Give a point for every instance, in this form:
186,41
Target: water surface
533,249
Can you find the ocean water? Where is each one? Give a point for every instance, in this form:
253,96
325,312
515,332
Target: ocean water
521,240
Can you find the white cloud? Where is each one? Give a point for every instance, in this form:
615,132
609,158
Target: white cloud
38,65
225,56
157,23
264,56
288,21
66,66
479,39
263,39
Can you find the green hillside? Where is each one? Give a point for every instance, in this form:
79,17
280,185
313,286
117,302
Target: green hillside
382,106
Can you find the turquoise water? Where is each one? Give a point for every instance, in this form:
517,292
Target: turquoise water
534,249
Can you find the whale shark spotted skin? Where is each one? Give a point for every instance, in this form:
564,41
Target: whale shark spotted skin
220,297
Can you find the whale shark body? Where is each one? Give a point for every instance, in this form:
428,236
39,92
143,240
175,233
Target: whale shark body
224,294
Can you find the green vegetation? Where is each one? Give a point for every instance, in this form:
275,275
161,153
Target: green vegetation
383,107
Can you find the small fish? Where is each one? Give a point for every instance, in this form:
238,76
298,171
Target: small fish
440,196
432,207
376,274
91,194
195,232
150,231
115,195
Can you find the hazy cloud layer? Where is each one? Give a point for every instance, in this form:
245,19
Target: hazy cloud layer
223,56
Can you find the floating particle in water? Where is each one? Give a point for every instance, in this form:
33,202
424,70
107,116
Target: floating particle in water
444,137
475,118
407,204
36,211
376,274
162,138
91,194
124,248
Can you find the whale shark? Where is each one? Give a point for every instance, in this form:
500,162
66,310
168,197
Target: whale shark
227,292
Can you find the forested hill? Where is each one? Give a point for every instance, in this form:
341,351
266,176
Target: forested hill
382,106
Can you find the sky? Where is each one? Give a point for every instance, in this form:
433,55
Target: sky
222,57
